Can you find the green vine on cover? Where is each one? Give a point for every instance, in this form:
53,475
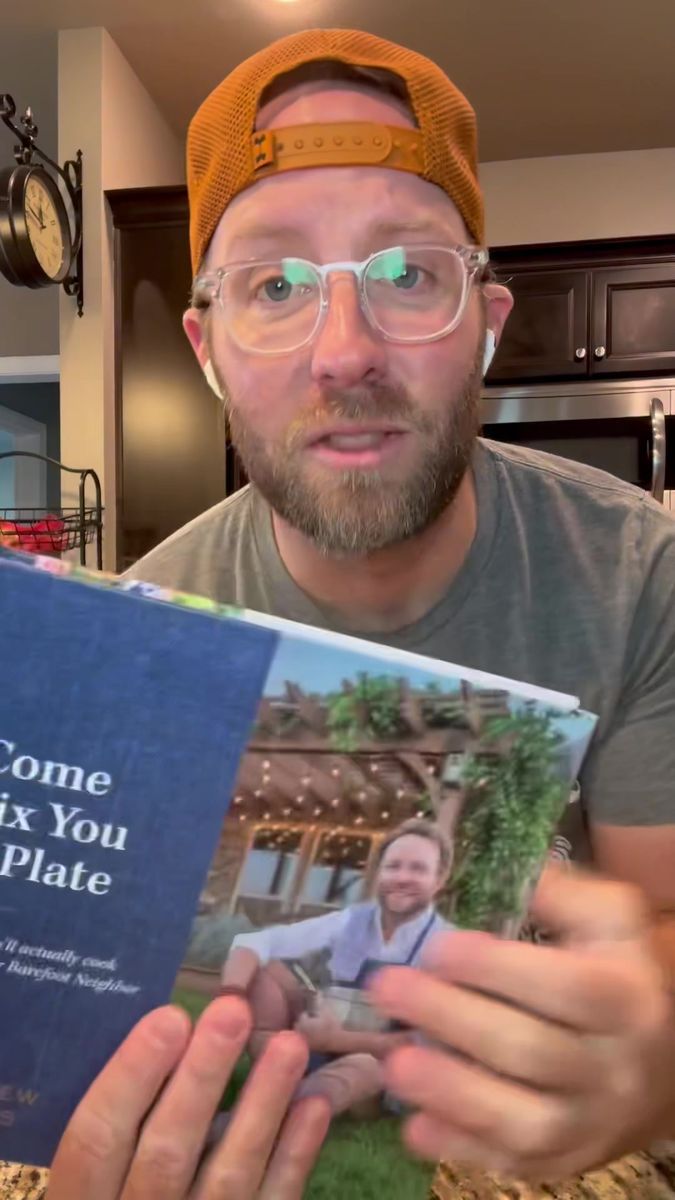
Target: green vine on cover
514,803
370,711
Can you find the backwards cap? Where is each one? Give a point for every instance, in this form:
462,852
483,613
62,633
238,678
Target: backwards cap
226,154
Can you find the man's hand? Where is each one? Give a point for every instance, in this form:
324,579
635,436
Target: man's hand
140,1132
321,1030
563,1055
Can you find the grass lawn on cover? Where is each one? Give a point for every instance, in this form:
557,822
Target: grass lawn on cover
365,1159
193,1002
360,1158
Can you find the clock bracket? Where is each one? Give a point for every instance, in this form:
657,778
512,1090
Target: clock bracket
70,176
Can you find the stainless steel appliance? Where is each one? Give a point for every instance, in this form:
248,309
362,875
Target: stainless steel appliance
626,428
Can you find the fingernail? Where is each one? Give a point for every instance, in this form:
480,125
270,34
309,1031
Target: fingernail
453,949
288,1047
231,1021
432,954
385,990
169,1027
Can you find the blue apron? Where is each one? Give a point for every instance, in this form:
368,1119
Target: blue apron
368,968
370,965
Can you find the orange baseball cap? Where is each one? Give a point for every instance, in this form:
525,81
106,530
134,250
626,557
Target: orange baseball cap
226,154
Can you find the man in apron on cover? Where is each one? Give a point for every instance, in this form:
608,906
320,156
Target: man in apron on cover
273,967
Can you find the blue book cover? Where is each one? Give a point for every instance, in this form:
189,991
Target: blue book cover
121,727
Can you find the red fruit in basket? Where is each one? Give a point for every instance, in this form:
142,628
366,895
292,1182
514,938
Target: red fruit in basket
36,537
8,535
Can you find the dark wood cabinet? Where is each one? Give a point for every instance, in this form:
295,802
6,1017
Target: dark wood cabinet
547,332
173,458
588,310
633,320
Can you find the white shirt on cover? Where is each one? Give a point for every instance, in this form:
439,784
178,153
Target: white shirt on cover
318,933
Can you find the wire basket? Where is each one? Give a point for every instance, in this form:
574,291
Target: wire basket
54,531
37,532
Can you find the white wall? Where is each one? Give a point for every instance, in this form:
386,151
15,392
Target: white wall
105,111
580,197
139,148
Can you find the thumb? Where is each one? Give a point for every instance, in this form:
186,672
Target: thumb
587,910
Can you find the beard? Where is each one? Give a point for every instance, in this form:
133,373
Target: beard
413,906
354,513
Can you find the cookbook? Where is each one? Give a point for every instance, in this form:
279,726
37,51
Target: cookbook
194,796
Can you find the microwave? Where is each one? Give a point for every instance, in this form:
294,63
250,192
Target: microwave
625,428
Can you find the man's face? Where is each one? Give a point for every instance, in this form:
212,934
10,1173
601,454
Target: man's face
409,876
356,441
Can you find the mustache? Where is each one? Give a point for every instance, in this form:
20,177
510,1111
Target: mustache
375,401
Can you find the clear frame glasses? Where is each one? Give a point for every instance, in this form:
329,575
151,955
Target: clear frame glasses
407,293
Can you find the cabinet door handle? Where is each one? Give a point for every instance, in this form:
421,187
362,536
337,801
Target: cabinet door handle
600,351
658,422
580,353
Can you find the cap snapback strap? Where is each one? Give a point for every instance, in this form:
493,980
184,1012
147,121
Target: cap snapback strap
345,143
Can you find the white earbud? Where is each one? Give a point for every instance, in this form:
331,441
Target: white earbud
210,377
489,351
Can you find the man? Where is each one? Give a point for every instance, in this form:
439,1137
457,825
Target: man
343,308
413,866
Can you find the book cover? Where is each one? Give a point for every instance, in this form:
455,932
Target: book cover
382,798
121,729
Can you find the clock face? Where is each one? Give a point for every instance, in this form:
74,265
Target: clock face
44,227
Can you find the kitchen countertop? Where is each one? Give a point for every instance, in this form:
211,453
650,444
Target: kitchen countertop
636,1177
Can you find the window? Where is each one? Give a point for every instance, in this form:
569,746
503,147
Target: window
337,873
271,863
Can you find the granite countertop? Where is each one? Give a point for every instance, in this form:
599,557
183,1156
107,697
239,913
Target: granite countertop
22,1183
637,1177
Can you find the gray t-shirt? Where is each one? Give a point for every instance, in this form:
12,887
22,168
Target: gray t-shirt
569,584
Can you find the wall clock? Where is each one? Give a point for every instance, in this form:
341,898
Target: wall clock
36,248
40,214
